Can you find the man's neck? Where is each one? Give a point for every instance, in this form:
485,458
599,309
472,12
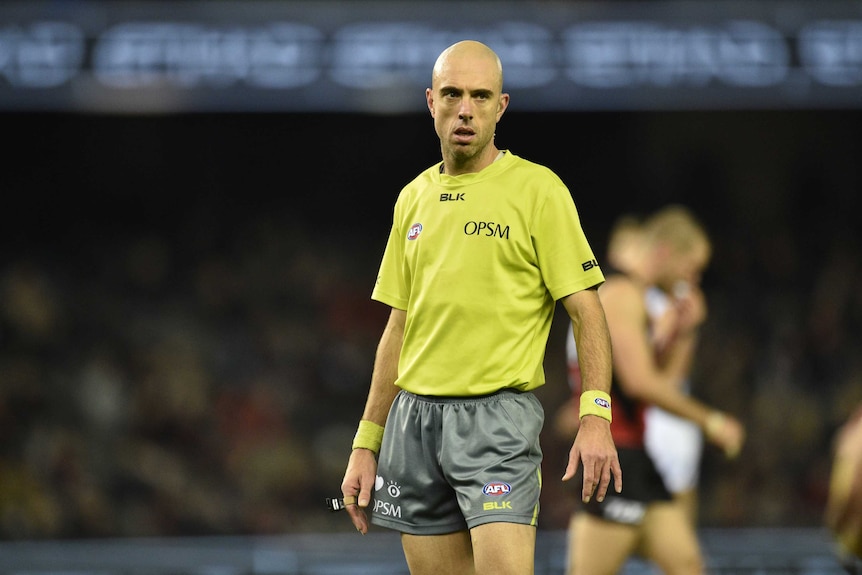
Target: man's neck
454,169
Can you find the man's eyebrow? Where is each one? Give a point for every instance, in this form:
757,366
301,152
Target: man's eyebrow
486,92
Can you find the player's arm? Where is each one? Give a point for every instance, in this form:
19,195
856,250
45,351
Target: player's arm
643,379
593,445
359,478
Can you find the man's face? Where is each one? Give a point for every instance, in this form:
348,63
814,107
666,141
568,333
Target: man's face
466,103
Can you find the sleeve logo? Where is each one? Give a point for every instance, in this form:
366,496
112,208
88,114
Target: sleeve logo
414,231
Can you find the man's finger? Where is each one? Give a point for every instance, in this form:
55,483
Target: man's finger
603,484
339,503
589,482
359,519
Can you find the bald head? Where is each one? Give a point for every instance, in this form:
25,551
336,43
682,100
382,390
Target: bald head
468,55
466,100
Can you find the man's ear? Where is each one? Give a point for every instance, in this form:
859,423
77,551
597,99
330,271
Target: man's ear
429,98
502,104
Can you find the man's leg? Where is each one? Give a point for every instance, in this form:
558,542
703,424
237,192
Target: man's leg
597,546
438,554
490,549
504,549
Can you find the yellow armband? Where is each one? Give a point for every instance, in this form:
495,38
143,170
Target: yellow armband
596,403
368,436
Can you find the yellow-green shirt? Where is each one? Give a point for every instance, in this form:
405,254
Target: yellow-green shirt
478,262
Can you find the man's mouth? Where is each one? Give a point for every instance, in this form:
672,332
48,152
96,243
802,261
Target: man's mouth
464,134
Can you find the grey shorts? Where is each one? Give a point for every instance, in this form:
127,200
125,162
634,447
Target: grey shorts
451,463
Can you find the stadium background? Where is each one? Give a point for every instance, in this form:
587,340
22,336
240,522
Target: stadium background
184,293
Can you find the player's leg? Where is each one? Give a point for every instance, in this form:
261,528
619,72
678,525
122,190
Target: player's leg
438,554
504,549
597,546
687,498
670,540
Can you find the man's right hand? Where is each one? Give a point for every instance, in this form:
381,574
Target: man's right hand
359,483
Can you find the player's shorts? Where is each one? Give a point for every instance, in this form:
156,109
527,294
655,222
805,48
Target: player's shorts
642,485
675,446
452,463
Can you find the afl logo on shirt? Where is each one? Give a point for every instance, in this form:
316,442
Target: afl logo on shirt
414,231
495,488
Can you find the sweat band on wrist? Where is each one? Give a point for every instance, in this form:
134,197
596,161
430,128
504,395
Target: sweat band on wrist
368,436
596,403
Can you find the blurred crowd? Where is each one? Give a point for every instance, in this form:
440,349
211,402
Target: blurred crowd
195,384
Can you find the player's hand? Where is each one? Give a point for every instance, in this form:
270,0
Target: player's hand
725,431
358,486
594,448
691,309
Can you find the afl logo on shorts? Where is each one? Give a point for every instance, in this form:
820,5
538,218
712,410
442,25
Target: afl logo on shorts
414,231
495,488
602,403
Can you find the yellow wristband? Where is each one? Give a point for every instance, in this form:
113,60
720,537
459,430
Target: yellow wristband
368,436
596,403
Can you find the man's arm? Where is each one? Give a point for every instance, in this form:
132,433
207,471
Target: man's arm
593,445
362,466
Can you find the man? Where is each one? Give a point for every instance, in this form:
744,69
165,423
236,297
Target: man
481,247
648,371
